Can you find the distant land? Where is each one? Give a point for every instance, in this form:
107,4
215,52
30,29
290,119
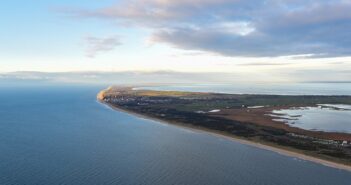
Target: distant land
245,117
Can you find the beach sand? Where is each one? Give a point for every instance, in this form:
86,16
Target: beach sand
281,151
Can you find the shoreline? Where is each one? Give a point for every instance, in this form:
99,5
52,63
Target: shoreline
281,151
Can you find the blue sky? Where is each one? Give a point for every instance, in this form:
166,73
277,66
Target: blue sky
280,38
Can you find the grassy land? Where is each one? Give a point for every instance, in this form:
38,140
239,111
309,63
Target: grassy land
183,108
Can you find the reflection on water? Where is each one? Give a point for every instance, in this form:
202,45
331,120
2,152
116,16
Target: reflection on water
325,117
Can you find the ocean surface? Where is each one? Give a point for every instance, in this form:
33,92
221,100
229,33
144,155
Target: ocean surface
60,134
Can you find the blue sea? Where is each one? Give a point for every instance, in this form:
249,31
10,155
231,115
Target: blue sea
60,135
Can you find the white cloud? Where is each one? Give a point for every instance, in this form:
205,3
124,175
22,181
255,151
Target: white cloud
97,45
241,28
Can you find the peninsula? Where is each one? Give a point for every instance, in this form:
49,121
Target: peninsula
247,118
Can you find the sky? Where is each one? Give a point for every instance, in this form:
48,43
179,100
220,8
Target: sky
277,40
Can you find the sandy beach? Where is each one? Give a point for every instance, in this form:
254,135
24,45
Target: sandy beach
281,151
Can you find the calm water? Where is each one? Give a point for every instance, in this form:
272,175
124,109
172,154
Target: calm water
319,118
61,135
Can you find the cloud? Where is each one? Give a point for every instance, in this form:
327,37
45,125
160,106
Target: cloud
264,64
254,28
172,77
97,45
119,78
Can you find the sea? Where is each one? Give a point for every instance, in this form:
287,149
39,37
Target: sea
58,134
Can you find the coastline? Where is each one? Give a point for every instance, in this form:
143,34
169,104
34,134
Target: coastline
280,150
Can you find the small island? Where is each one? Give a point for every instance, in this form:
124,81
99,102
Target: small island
247,118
